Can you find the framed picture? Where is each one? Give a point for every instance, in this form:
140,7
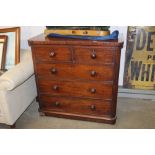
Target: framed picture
13,46
3,48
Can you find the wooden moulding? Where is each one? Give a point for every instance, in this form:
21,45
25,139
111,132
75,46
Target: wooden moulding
4,38
17,40
100,119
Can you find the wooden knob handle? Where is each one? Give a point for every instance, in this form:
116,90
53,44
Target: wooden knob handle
93,55
93,73
53,70
55,87
92,107
93,90
57,103
52,54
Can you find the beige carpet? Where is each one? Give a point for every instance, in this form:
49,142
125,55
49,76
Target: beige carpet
131,113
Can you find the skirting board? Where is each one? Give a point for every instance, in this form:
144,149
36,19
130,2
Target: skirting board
136,93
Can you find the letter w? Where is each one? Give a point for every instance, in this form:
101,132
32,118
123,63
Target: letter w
135,69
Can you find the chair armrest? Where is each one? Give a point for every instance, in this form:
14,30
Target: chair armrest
18,74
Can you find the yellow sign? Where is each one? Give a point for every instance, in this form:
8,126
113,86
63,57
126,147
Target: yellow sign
77,32
140,58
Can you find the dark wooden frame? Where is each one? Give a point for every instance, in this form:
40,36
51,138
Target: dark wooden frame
17,39
5,38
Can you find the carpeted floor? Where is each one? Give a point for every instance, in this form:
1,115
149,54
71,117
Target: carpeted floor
131,113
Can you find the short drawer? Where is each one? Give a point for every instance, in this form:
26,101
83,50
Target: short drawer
77,89
76,106
94,55
52,53
74,71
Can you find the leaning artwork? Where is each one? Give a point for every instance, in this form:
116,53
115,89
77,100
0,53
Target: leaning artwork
3,48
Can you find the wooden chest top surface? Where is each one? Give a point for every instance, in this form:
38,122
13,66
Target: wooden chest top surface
42,40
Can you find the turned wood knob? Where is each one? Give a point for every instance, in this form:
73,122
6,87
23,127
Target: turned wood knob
57,103
93,55
93,90
92,107
55,87
52,54
53,70
93,73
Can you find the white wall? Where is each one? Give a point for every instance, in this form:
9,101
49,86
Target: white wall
123,35
28,32
31,31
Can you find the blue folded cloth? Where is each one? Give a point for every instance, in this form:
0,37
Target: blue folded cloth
112,36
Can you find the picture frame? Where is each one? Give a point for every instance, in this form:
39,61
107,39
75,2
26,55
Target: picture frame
3,49
13,46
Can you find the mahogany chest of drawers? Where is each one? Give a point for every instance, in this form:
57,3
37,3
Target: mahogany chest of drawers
77,79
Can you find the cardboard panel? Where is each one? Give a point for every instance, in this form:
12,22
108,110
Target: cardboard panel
140,58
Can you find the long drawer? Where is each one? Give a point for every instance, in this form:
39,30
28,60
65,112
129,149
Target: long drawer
74,71
77,89
70,105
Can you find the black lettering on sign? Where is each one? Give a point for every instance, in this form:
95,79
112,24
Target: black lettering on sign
145,72
135,69
150,41
153,72
141,35
149,57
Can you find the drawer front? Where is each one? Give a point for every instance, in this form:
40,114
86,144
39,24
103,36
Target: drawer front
70,71
94,55
52,54
68,105
77,89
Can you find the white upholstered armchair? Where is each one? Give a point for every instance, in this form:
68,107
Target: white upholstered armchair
17,90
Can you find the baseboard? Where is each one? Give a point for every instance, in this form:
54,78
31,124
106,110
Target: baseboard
136,93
